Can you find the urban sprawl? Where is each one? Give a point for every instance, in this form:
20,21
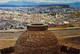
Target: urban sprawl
54,15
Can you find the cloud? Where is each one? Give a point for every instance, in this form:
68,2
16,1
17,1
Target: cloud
62,1
51,1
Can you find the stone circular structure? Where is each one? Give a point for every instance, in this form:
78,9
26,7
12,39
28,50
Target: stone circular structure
37,27
37,40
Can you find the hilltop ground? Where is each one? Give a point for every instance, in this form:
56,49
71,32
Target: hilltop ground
69,37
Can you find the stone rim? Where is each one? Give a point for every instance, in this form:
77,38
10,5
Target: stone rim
37,27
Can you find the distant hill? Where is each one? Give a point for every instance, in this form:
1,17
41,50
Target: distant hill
59,5
75,5
26,3
19,3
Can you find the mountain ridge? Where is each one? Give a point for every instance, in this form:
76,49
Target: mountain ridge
23,3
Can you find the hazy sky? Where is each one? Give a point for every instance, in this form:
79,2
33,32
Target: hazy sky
54,1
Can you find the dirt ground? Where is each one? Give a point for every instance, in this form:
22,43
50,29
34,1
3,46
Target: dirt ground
69,37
